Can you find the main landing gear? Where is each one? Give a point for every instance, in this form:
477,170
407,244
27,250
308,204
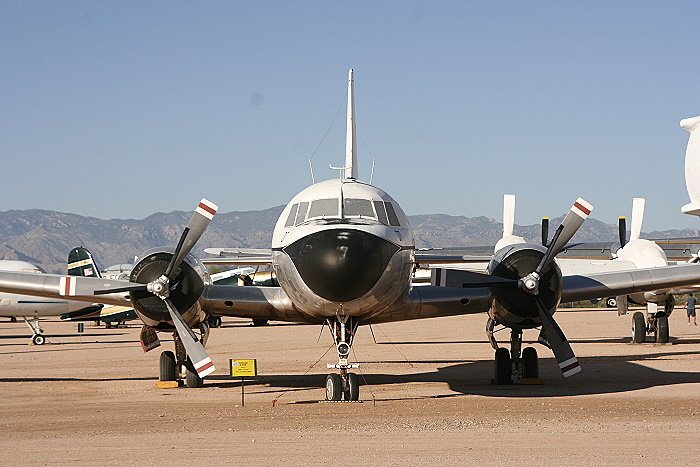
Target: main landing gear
346,385
173,365
510,367
656,323
38,336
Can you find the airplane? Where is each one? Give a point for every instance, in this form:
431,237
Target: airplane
31,308
343,253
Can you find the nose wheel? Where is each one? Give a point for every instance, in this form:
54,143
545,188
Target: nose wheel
344,386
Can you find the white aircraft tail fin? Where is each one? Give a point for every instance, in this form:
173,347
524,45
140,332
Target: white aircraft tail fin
637,218
692,166
508,214
508,224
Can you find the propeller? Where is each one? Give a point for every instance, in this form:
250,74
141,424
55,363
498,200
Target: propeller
622,230
545,231
198,223
554,336
552,332
161,287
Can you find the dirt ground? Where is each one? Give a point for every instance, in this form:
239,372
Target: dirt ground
426,398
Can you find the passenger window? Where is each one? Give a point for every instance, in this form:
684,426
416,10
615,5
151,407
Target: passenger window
381,213
292,216
359,207
301,214
324,208
393,220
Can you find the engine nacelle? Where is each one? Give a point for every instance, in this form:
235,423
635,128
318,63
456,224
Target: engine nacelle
185,289
512,306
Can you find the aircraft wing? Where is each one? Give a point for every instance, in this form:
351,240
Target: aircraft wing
242,261
608,284
579,287
424,259
238,256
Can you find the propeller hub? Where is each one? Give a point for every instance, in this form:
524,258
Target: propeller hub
530,283
159,287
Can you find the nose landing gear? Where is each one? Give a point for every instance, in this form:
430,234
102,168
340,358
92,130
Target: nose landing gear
346,385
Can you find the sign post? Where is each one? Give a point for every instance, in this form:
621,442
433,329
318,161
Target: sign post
241,369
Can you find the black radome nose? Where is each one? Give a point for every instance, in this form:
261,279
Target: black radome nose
341,265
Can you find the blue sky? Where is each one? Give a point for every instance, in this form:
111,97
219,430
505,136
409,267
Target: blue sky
121,109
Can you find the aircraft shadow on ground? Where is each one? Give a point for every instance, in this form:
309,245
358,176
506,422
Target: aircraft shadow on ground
600,375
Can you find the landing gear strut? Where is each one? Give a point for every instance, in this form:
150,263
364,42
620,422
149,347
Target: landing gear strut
346,385
510,367
172,364
656,323
37,337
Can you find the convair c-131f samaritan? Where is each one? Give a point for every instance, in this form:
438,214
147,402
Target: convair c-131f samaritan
344,254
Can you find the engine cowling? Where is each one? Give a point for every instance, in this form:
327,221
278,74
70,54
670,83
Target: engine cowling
185,289
512,306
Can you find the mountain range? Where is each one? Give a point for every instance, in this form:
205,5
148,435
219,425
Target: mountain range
44,237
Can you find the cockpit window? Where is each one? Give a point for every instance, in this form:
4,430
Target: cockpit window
381,212
359,207
301,214
393,219
292,216
324,208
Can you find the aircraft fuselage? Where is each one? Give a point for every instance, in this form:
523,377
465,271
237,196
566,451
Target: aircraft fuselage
343,247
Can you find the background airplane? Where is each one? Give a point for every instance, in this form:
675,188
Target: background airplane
31,308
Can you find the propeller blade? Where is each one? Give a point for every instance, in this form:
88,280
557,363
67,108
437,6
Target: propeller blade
545,231
508,215
195,228
622,230
195,351
637,218
568,363
574,218
71,286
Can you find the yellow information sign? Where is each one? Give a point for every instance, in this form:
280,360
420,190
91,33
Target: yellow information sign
243,368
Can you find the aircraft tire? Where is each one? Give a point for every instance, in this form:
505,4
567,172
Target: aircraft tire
611,302
38,339
353,392
502,367
13,319
168,369
662,330
260,322
531,367
334,387
639,328
192,379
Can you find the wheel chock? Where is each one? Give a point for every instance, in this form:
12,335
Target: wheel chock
167,384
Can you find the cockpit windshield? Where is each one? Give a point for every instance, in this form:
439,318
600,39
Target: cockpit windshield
355,208
324,208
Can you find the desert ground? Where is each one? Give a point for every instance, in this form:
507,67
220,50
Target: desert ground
426,398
